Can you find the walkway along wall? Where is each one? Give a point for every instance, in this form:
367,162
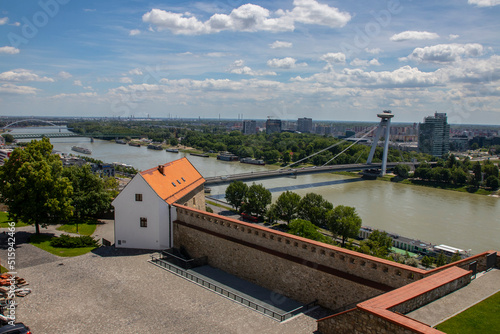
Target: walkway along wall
299,268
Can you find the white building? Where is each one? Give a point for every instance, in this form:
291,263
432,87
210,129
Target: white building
144,210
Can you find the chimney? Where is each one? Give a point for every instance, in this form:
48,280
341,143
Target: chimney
160,169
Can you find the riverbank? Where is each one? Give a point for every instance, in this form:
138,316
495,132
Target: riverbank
429,184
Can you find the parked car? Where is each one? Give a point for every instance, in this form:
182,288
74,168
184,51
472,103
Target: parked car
251,218
18,328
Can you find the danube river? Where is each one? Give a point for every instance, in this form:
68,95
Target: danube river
456,219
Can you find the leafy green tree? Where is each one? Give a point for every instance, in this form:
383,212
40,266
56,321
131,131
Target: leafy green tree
90,196
32,185
441,260
258,198
287,206
314,208
492,182
8,138
379,244
490,169
344,221
305,229
286,157
427,261
458,176
236,194
477,170
456,257
402,171
173,142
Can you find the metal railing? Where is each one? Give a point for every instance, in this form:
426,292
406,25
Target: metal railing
228,294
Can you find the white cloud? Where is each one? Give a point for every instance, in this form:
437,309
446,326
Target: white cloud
9,50
21,90
74,95
484,3
134,32
238,67
373,51
3,20
285,63
453,36
280,45
249,17
135,71
334,58
216,54
77,83
413,35
445,53
125,80
364,63
22,75
64,75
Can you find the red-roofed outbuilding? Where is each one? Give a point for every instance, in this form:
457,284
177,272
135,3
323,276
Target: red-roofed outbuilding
144,211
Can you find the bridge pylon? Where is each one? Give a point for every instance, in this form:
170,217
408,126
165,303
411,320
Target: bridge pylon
385,122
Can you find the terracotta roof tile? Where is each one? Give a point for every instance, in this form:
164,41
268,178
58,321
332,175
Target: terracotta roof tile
179,177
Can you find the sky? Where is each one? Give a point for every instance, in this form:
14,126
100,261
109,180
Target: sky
324,59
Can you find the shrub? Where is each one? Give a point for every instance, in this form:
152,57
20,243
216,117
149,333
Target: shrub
66,241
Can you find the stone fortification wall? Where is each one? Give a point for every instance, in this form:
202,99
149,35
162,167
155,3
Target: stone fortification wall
384,313
299,268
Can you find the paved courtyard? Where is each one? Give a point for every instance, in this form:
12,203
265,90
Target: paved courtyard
118,291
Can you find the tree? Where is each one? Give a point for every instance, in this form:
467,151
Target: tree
236,194
258,198
90,196
305,229
456,257
490,169
314,207
492,182
32,185
427,261
441,260
287,206
477,170
402,171
344,221
8,137
379,244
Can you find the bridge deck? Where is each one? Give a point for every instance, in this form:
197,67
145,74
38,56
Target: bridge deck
294,172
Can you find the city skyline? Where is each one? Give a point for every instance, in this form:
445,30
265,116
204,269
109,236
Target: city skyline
326,60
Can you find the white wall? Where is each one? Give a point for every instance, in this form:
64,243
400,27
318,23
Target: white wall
128,213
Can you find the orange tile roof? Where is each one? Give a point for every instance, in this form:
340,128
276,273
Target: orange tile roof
179,177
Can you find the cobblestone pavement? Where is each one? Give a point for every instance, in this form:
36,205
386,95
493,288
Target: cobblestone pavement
479,289
114,291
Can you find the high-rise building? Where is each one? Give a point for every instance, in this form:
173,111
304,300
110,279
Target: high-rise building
249,127
434,135
304,125
273,125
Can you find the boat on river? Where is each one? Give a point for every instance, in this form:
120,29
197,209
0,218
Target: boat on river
172,150
81,150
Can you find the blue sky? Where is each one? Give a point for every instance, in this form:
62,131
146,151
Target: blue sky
330,60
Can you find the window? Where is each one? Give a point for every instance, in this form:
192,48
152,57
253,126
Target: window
194,201
138,197
144,222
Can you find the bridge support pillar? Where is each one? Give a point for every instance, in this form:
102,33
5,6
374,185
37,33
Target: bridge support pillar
385,121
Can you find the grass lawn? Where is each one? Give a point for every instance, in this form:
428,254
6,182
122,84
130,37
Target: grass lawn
84,228
4,221
481,318
42,241
220,205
